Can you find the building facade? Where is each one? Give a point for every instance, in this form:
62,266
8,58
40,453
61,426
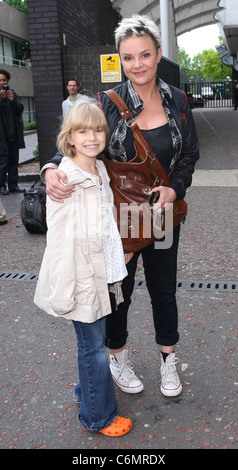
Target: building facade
59,32
14,40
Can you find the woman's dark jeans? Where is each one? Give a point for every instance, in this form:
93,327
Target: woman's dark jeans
160,267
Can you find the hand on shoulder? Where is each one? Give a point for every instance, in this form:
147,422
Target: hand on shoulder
55,186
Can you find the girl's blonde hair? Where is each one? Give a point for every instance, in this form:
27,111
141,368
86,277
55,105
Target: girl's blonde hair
82,115
137,25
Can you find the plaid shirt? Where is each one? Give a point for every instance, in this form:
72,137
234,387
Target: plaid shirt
116,145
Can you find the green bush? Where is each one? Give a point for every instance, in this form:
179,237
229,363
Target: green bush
36,153
30,126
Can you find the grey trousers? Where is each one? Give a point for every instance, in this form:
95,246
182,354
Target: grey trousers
2,212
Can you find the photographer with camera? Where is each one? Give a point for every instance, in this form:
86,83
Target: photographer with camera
11,135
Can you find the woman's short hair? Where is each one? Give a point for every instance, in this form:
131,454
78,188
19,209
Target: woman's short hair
137,25
82,115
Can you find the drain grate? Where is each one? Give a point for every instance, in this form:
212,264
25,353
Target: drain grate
225,286
13,276
209,285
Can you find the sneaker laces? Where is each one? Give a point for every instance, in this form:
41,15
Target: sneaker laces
127,369
169,374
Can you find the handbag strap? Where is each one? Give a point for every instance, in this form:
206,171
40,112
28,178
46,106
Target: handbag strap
131,122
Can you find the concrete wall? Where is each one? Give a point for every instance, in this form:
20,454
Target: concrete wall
21,80
13,22
228,16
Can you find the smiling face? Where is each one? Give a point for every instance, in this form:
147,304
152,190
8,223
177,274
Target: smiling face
84,131
88,143
139,57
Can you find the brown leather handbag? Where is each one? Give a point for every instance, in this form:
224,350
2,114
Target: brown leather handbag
131,183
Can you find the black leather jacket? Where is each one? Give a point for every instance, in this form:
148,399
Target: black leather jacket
186,152
184,159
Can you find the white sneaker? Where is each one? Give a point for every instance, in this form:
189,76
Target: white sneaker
123,374
170,382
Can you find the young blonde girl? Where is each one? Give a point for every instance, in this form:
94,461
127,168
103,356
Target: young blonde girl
83,260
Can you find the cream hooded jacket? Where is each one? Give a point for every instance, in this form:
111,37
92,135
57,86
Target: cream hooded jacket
72,280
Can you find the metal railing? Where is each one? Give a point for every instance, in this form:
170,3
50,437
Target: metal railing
15,62
210,94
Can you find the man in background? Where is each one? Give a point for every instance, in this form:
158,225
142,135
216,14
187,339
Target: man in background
74,95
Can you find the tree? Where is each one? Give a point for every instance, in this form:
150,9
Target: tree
207,63
212,66
184,61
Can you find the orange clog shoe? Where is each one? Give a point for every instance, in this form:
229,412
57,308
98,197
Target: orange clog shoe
119,427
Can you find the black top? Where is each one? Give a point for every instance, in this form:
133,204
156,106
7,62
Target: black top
159,140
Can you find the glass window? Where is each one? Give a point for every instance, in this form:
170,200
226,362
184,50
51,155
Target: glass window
1,48
21,50
29,109
7,50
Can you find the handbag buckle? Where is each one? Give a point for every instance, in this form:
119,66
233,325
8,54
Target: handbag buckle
122,181
129,121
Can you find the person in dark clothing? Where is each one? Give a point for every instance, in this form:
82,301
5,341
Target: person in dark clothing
11,135
163,114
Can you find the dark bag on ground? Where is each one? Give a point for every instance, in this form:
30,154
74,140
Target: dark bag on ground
33,209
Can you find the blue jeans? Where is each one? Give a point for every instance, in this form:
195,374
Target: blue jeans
95,388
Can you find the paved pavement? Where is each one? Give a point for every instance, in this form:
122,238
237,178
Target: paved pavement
31,143
39,364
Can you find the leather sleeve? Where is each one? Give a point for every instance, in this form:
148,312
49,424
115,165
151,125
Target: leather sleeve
56,159
181,175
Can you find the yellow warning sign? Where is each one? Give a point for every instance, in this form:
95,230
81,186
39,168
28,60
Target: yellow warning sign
110,68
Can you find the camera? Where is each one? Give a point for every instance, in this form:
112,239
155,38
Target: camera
5,86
